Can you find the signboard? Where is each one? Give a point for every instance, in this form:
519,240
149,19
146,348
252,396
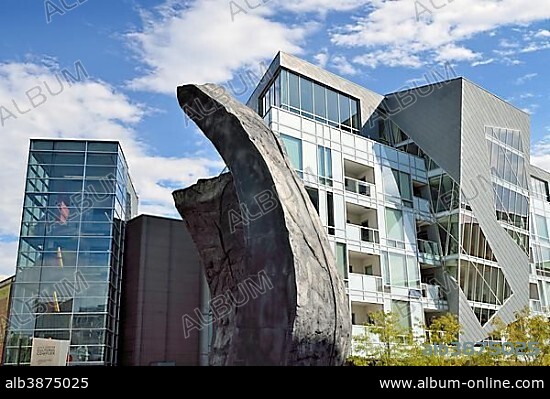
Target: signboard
49,352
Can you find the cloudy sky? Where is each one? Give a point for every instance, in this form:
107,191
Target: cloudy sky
136,52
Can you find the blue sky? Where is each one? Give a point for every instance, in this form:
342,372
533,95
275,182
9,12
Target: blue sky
136,52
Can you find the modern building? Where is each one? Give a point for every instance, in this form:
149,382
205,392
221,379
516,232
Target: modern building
5,288
427,195
67,286
163,280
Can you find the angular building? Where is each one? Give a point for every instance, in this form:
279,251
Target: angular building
67,286
427,195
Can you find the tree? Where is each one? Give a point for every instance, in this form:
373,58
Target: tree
384,340
528,333
444,329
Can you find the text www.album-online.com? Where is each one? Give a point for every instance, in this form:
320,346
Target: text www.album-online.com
483,383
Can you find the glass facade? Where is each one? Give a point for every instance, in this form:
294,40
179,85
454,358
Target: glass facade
78,196
311,100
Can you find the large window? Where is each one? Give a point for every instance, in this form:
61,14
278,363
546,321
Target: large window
484,283
506,155
404,271
312,100
405,186
324,162
341,259
539,189
542,227
394,226
293,147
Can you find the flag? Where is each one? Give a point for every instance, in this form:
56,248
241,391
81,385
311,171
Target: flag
63,212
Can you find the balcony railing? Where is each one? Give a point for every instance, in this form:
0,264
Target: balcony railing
365,234
359,187
535,305
429,248
432,292
422,205
365,282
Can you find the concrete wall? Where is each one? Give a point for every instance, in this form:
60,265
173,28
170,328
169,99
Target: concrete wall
161,283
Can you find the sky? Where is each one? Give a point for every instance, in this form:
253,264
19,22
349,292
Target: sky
128,56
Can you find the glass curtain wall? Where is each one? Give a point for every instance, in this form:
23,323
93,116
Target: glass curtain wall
311,100
67,284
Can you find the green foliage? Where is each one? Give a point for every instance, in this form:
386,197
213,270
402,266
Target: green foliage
387,343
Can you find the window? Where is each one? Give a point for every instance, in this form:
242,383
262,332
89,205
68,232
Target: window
539,188
332,107
310,99
284,89
401,309
330,213
293,147
404,184
542,227
345,112
320,101
313,194
341,259
324,163
294,90
398,270
306,89
394,226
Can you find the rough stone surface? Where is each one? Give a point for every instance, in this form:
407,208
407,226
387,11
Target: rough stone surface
205,209
303,319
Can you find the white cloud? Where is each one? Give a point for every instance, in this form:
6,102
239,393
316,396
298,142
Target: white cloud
322,58
525,78
543,33
343,66
87,109
205,42
540,154
530,109
483,62
391,29
320,6
8,252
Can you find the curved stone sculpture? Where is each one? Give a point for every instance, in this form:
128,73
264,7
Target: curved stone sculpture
206,208
303,319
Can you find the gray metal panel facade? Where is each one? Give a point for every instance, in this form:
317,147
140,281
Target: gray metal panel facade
482,109
369,99
161,283
431,116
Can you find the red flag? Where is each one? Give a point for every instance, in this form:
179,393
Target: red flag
63,212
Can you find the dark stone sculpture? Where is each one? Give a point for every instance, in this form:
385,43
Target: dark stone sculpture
260,221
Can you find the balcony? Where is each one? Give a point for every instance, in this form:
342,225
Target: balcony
364,234
536,306
423,210
359,187
362,223
364,288
359,179
433,298
429,252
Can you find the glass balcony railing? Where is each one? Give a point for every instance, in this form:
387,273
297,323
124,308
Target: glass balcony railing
359,187
429,248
